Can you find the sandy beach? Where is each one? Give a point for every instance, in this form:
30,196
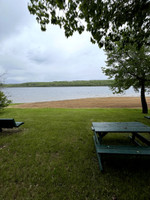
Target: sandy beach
107,102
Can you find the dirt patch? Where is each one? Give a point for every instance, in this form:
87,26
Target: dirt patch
108,102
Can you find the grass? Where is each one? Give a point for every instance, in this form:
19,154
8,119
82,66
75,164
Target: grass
52,157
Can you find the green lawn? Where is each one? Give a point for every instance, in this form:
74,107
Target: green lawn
52,157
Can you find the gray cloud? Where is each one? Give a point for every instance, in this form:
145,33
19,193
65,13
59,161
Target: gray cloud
27,54
13,16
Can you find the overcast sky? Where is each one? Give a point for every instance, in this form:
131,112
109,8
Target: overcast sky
27,54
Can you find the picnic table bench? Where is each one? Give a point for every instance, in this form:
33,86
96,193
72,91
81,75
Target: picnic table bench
9,123
148,117
101,129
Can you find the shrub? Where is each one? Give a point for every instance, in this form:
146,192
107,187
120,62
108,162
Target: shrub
4,102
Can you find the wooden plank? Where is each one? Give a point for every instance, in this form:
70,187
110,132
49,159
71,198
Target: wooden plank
120,150
117,127
129,124
123,129
103,149
122,126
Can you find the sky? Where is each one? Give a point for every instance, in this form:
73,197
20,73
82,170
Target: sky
29,55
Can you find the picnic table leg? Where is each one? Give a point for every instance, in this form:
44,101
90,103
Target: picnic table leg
142,139
101,135
100,161
96,139
133,137
98,154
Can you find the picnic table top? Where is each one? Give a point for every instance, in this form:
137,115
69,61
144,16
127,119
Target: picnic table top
120,127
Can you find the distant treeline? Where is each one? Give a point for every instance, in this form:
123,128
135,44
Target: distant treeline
63,83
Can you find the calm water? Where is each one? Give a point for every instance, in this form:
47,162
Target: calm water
40,94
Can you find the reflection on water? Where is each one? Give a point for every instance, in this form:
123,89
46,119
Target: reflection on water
40,94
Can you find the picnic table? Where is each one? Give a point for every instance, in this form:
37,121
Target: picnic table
9,123
136,129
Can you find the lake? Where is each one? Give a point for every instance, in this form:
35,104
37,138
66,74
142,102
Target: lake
40,94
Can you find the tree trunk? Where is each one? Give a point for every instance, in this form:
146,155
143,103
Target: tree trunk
143,99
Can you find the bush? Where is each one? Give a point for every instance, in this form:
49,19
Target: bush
4,102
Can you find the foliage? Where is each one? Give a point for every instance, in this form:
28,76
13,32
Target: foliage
129,67
4,102
63,83
106,20
52,156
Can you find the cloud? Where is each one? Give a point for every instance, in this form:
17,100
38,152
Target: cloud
13,16
27,54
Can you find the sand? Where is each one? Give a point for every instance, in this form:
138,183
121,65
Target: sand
107,102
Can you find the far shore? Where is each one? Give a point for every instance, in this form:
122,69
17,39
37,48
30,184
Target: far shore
101,102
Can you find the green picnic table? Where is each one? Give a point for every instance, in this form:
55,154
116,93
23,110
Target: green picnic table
101,129
148,117
9,123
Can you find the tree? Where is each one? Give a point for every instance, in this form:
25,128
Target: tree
4,102
129,67
106,20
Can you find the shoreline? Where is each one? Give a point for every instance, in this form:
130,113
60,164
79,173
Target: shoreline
98,102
